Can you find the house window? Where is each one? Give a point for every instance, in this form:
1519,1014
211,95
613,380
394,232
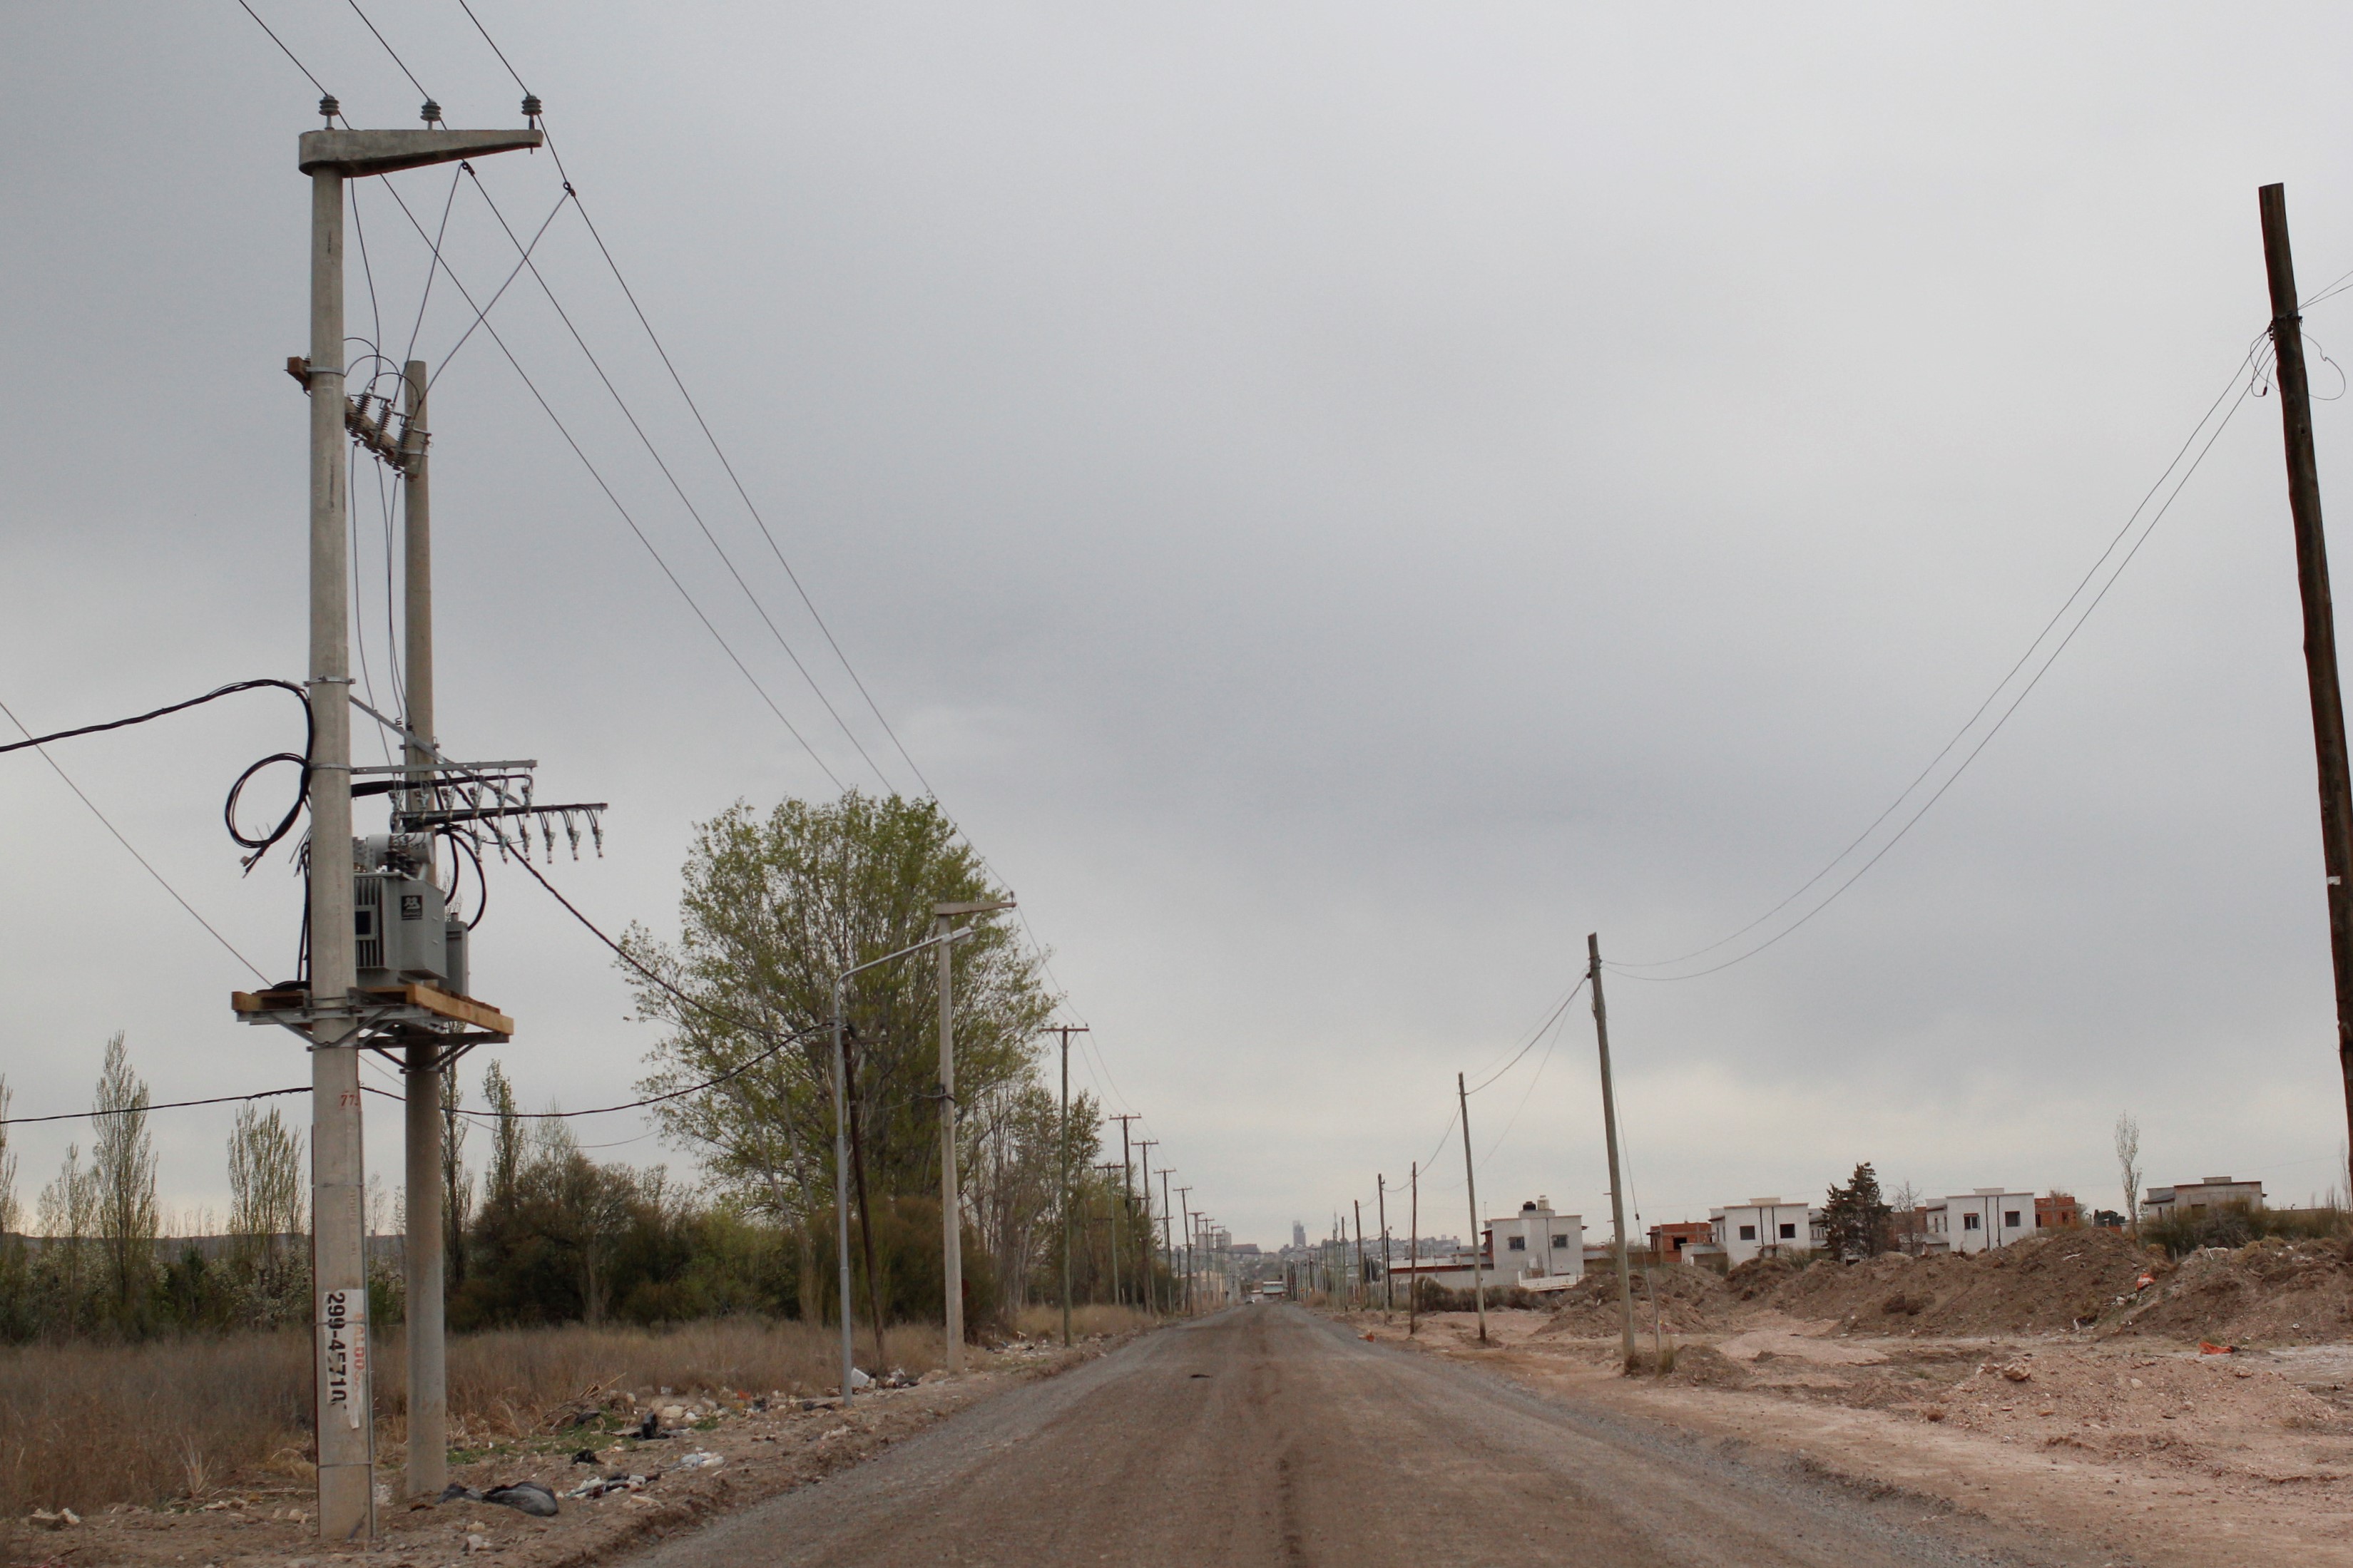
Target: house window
2010,1218
1968,1222
1788,1232
1519,1244
1563,1241
1747,1232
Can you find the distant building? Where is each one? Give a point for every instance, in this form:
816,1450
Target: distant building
1980,1220
2057,1211
1766,1228
1243,1249
2191,1199
1670,1242
1535,1249
1299,1236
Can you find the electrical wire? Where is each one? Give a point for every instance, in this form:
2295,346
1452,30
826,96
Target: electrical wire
1632,971
432,267
144,864
289,54
742,493
677,488
390,50
167,1105
620,507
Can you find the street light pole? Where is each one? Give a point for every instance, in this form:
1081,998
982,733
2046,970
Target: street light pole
951,1201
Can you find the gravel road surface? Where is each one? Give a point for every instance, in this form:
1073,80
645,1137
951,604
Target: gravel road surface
1266,1435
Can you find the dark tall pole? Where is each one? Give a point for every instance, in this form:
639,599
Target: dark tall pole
1609,1127
2320,618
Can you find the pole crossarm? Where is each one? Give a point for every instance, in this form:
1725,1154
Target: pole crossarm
356,154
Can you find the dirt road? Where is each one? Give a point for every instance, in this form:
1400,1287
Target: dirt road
1265,1436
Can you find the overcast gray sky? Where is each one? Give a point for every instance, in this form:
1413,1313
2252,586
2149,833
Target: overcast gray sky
1340,500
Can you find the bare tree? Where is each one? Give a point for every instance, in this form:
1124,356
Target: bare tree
2128,1167
1905,1203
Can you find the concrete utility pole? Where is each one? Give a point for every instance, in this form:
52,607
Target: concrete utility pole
951,1200
1151,1276
1381,1195
344,1406
425,1257
1609,1127
1471,1184
1066,1031
2320,618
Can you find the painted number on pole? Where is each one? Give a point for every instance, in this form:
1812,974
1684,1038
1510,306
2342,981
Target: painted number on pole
343,1350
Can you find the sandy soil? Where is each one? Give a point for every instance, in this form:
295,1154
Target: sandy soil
2140,1449
761,1453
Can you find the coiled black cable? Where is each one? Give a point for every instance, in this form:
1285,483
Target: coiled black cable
259,846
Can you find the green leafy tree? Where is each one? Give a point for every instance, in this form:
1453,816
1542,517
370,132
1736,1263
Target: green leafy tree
267,1216
774,907
1856,1217
122,1166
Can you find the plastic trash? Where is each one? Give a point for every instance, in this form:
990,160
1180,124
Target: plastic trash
526,1497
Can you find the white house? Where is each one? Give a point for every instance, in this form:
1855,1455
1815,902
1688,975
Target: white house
1979,1220
1535,1249
1766,1228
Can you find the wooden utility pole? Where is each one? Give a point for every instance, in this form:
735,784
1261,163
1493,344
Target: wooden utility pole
1358,1290
2320,618
1117,1297
1381,1196
1066,1031
1126,1170
1471,1185
1143,1239
1610,1130
1168,1233
1185,1206
1413,1246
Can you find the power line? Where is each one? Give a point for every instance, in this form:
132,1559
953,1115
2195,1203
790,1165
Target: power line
794,577
289,54
167,1105
390,50
679,491
144,864
627,518
1632,971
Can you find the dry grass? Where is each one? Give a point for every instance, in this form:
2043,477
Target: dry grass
1046,1322
82,1425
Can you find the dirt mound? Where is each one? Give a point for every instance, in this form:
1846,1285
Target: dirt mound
1690,1300
2065,1279
2266,1292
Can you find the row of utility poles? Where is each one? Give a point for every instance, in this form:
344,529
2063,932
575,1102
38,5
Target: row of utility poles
1353,1291
426,1026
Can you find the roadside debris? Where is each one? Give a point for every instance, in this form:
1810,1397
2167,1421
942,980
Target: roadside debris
528,1496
